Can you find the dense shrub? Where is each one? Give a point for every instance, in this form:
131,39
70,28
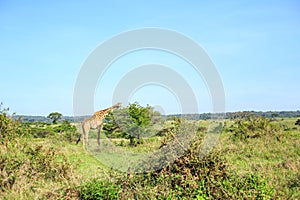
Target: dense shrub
133,122
23,163
99,189
189,177
252,127
9,129
64,131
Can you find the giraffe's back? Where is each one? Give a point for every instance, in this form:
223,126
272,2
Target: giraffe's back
92,122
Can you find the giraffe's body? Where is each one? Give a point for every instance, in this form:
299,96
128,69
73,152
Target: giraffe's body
95,122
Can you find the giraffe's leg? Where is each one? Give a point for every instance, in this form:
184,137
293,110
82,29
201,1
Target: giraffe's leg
78,140
85,130
86,138
99,131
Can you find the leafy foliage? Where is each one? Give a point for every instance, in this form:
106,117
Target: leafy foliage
130,123
64,131
55,116
9,129
140,118
251,126
169,131
99,189
189,177
239,168
23,163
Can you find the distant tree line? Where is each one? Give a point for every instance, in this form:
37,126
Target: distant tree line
202,116
233,115
30,118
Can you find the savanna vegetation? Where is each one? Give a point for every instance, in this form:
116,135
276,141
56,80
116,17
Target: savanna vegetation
255,158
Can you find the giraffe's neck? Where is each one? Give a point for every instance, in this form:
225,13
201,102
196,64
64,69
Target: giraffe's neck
100,115
107,110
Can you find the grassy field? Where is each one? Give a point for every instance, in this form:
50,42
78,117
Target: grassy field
253,159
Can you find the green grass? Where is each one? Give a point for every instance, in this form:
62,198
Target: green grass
263,166
275,156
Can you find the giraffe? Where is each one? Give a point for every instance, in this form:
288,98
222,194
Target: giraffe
95,122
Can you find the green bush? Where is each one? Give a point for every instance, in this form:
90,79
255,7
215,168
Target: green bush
9,129
23,163
98,189
252,127
194,177
64,131
133,123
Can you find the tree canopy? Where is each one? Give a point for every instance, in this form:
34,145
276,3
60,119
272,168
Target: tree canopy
130,122
55,116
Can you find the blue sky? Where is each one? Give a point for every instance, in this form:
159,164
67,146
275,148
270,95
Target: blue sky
255,46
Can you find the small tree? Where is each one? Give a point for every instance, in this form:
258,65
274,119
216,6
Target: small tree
131,122
54,116
140,117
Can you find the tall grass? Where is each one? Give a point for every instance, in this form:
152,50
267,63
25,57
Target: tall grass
26,167
189,177
256,158
269,148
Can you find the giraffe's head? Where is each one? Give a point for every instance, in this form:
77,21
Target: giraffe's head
117,105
